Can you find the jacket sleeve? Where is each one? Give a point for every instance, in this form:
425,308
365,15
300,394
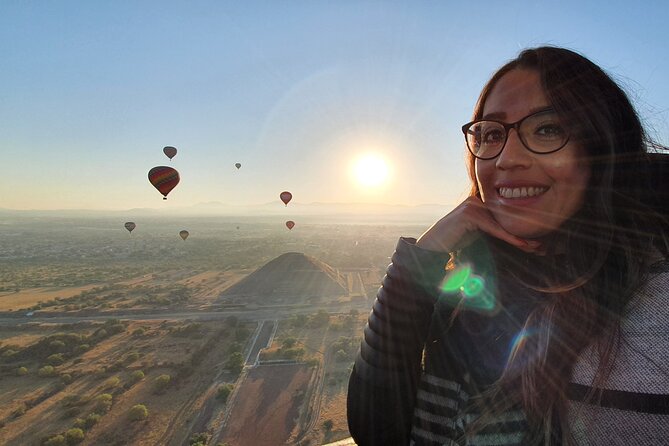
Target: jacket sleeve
382,387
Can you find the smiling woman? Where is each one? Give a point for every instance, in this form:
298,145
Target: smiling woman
370,170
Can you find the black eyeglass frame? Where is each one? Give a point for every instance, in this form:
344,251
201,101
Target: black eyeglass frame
508,126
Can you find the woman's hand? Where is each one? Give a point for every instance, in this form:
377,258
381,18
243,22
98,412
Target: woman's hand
458,229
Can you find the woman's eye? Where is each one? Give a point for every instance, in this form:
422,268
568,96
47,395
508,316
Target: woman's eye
549,131
493,136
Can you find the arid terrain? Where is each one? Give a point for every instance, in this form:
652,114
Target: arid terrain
235,336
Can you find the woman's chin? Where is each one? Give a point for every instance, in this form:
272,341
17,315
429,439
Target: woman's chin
525,228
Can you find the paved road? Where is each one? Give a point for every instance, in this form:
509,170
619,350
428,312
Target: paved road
266,313
261,341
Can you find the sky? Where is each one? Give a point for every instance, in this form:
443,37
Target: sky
294,90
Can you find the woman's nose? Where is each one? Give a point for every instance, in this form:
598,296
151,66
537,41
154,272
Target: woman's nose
514,154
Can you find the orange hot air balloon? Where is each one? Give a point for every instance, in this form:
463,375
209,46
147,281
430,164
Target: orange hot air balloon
184,234
170,151
164,179
286,197
290,224
130,225
238,165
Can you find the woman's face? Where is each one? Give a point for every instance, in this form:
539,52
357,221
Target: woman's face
557,181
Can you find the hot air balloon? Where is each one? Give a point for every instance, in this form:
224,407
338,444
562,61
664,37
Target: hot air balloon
164,179
286,197
130,225
238,165
184,234
170,151
290,224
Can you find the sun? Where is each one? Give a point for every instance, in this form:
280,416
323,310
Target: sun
370,170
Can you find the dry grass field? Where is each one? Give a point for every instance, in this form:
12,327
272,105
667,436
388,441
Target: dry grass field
32,296
34,408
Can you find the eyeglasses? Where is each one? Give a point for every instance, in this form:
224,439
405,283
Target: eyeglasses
541,132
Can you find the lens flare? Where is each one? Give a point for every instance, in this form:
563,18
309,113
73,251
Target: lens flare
461,286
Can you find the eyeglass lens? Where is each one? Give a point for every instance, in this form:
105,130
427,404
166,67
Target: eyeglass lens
541,133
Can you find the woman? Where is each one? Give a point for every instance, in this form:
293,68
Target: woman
536,312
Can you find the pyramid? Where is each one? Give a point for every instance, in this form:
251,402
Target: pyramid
289,279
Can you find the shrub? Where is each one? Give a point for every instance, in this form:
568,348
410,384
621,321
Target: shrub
328,425
21,371
138,412
138,332
79,423
289,342
55,359
136,376
91,420
74,436
199,439
46,371
56,440
103,402
161,382
224,392
79,349
111,383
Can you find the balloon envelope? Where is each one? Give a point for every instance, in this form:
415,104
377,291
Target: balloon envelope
170,151
130,226
164,179
238,165
184,234
286,197
290,224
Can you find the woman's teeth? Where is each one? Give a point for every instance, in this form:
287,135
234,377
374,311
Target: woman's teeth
521,192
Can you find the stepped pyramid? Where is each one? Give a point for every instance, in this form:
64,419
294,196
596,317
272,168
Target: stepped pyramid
290,278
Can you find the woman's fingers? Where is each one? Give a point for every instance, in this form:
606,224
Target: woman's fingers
459,228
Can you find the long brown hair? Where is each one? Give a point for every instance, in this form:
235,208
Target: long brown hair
609,243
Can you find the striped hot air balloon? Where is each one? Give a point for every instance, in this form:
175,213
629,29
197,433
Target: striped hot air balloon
164,179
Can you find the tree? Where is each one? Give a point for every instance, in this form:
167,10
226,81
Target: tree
138,412
328,425
224,392
235,362
74,436
161,382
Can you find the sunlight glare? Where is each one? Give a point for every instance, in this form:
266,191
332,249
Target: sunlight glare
370,170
